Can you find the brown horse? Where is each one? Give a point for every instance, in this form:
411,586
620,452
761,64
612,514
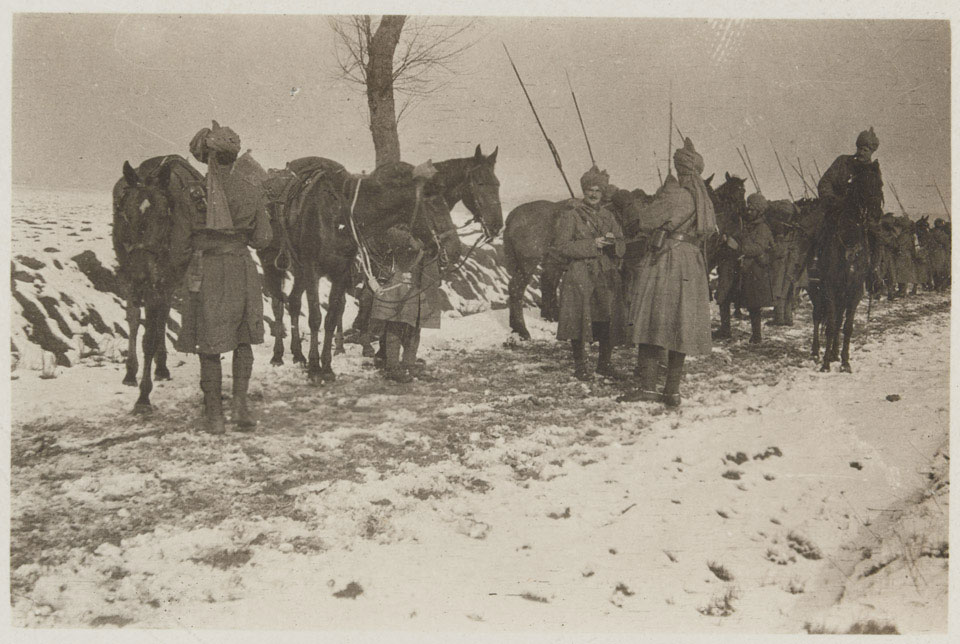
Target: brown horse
845,254
153,209
336,210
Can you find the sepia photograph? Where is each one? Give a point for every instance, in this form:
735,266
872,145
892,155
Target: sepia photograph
513,319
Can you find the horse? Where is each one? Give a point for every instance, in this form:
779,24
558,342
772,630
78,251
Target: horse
937,259
527,236
153,209
845,257
335,211
729,204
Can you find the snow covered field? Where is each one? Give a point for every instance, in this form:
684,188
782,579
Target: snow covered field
494,494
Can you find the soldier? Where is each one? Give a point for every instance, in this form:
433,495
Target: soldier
833,184
756,250
669,296
408,301
590,243
223,305
888,249
906,260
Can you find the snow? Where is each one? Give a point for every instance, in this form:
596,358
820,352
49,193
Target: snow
503,497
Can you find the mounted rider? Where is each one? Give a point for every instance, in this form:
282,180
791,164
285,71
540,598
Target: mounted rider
223,304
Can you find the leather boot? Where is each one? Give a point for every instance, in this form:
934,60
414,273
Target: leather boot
605,362
392,344
242,369
724,331
778,316
756,327
211,386
671,390
580,371
648,370
788,312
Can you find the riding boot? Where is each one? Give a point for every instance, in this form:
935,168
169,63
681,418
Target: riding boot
671,390
380,358
580,371
392,368
648,371
411,344
756,327
605,362
211,386
242,369
778,317
724,331
788,312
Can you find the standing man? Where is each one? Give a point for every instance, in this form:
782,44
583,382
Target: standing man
756,248
223,304
669,296
590,243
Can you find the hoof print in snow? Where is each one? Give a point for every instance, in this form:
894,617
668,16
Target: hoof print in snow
803,546
719,571
624,590
352,591
724,514
721,605
535,598
739,458
110,620
733,475
856,465
770,451
893,397
565,515
225,559
672,557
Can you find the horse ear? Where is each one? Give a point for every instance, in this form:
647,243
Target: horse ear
478,155
710,178
131,175
493,157
727,175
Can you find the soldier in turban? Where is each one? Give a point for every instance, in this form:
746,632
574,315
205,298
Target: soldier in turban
833,183
590,243
668,295
223,305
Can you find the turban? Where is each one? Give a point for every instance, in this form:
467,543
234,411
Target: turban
868,139
594,177
689,165
218,139
939,223
757,201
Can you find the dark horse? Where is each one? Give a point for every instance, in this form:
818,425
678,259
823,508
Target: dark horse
335,209
845,246
152,214
527,236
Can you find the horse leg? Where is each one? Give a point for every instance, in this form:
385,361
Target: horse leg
161,372
334,313
133,323
515,290
829,318
150,341
851,310
338,341
549,285
314,317
272,284
293,307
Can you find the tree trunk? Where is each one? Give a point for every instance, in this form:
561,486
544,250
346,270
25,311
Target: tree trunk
383,112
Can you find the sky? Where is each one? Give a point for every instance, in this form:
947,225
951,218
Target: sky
90,91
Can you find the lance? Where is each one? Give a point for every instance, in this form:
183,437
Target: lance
659,175
817,167
553,149
577,105
752,169
897,197
806,186
749,174
942,200
789,191
670,140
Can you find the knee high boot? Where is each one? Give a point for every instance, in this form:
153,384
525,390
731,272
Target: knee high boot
724,331
605,362
756,327
648,371
392,341
211,386
671,390
580,371
411,344
242,369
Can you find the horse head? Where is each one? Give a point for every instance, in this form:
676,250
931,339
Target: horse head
473,181
730,203
140,228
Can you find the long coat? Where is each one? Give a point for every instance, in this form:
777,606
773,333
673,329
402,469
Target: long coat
590,289
411,285
906,254
757,248
223,298
669,296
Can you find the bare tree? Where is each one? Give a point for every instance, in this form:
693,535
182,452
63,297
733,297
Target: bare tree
409,56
